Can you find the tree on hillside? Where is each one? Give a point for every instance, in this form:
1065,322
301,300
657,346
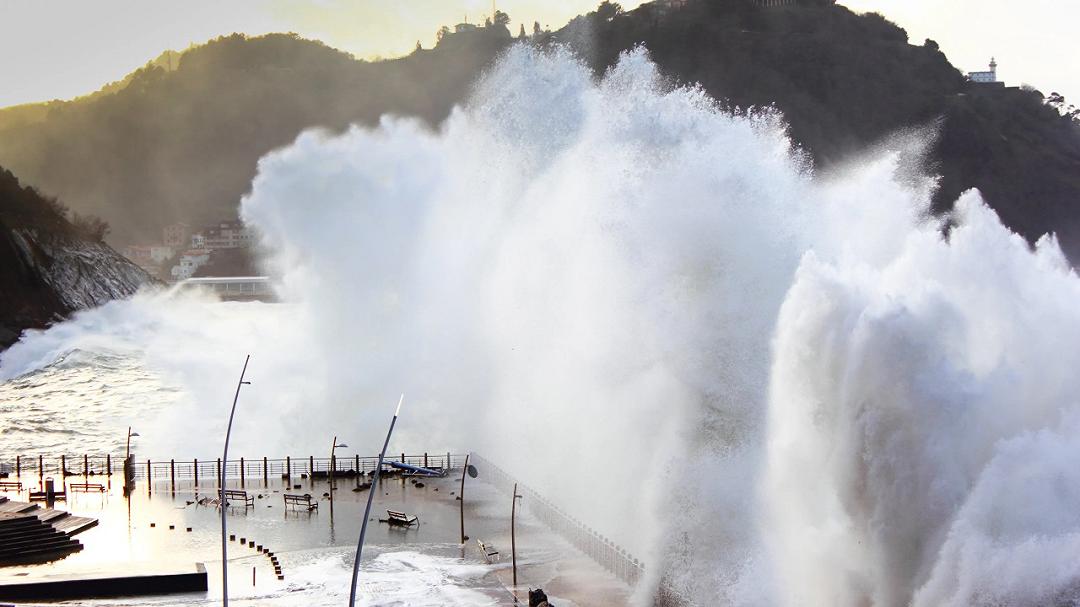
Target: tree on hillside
502,18
608,10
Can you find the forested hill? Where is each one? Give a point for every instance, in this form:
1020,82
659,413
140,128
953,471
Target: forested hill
183,144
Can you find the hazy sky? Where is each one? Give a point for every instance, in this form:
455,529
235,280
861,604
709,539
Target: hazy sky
63,48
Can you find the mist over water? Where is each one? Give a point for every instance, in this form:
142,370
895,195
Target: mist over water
778,388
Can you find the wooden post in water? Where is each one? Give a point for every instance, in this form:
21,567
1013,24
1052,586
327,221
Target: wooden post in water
41,465
63,466
18,465
108,464
85,465
266,474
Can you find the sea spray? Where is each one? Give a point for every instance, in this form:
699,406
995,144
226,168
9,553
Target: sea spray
777,388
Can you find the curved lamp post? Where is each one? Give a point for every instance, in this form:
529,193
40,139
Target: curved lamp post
333,465
221,485
471,470
367,510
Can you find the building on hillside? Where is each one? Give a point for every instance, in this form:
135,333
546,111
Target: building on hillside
465,27
223,235
176,235
190,261
985,77
149,257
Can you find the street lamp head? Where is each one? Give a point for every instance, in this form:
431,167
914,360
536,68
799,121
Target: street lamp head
134,434
472,471
341,445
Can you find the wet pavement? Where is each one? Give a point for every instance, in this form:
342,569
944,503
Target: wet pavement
420,565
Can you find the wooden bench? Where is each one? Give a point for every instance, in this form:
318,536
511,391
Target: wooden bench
297,501
399,519
241,496
490,554
10,485
87,487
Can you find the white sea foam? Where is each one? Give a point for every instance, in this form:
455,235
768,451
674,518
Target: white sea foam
778,388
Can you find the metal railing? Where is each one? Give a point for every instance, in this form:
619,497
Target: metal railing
605,552
210,469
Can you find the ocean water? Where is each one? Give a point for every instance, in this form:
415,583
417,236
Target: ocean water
641,303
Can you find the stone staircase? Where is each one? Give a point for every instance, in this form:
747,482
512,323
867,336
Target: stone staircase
31,534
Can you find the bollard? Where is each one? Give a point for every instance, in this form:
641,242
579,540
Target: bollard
266,475
196,466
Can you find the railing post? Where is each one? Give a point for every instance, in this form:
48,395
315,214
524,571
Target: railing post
242,475
18,465
266,474
358,471
172,473
195,465
311,466
219,476
288,467
85,465
447,460
41,466
63,466
108,464
425,459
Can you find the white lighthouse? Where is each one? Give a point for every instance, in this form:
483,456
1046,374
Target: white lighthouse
985,77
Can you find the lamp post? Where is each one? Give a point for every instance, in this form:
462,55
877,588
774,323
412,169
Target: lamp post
221,485
333,465
513,543
127,449
129,468
471,470
367,510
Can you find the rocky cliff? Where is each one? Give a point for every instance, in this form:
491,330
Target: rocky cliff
49,268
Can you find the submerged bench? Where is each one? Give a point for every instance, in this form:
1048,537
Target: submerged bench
490,553
393,517
297,501
87,487
242,496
